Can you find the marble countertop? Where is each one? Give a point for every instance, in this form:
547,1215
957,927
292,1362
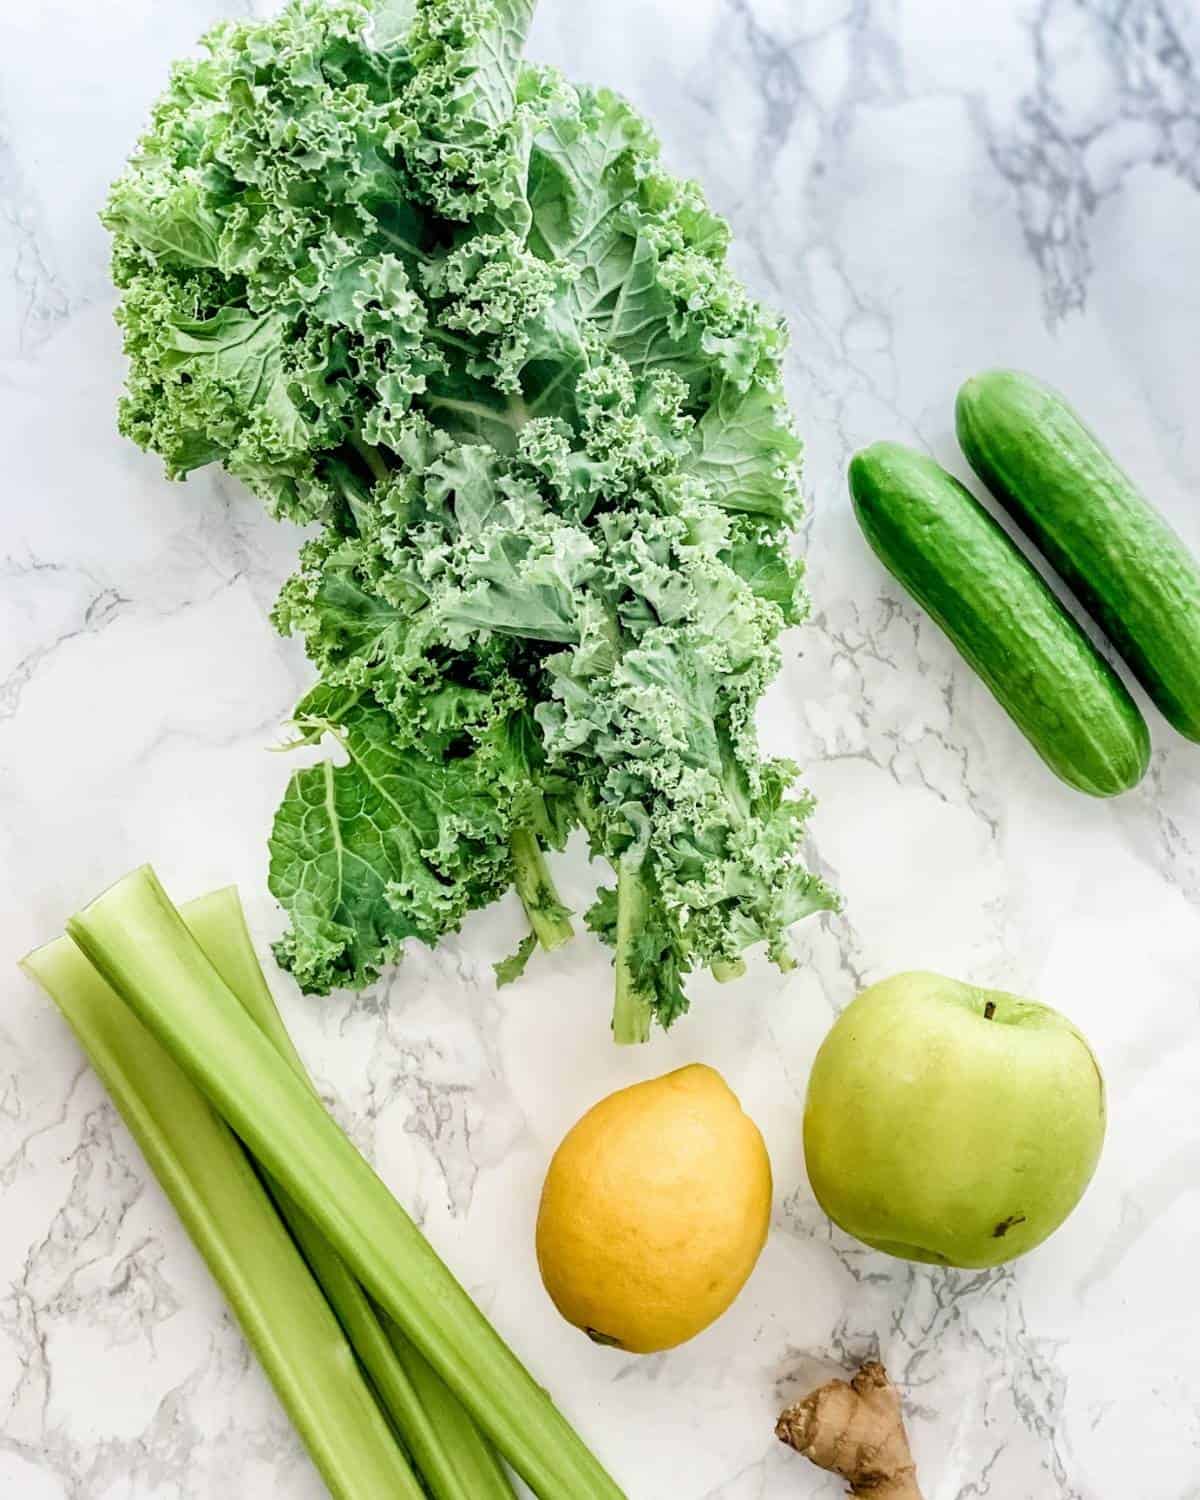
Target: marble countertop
926,191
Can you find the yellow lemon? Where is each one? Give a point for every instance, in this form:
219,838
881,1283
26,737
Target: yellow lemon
654,1212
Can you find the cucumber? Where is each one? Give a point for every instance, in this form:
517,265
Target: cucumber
1127,567
969,575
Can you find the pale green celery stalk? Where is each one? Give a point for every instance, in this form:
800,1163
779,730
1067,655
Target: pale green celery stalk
549,918
225,1209
139,942
455,1460
632,1008
446,1429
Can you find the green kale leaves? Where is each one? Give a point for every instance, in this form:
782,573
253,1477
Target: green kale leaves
451,308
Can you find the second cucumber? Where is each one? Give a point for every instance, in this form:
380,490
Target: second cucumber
1126,565
964,569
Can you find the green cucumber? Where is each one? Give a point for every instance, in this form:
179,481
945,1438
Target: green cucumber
968,574
1127,567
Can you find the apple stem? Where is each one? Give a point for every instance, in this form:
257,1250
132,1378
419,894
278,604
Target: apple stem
989,1010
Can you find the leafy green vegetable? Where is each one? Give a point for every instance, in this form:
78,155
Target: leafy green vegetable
551,920
450,307
509,970
140,944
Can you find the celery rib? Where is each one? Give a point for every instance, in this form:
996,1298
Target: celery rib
140,944
453,1457
228,1215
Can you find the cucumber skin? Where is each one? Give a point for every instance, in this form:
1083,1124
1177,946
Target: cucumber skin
970,577
1125,564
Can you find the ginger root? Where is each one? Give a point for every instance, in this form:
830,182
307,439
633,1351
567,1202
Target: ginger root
857,1431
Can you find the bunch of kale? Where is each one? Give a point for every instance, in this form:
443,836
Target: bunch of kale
449,306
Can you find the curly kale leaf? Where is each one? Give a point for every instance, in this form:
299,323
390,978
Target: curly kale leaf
451,308
509,970
393,844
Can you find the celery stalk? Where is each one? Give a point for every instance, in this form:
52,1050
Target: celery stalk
455,1460
443,1438
223,1205
139,942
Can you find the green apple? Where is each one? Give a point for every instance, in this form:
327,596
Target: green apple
951,1124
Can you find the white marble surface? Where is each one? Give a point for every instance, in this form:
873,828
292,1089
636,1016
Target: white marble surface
926,190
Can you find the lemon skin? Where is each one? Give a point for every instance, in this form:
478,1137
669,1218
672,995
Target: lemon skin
654,1212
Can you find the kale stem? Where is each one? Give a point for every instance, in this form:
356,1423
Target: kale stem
372,457
549,918
724,970
632,1007
441,336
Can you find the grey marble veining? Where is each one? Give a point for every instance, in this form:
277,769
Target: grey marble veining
925,190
